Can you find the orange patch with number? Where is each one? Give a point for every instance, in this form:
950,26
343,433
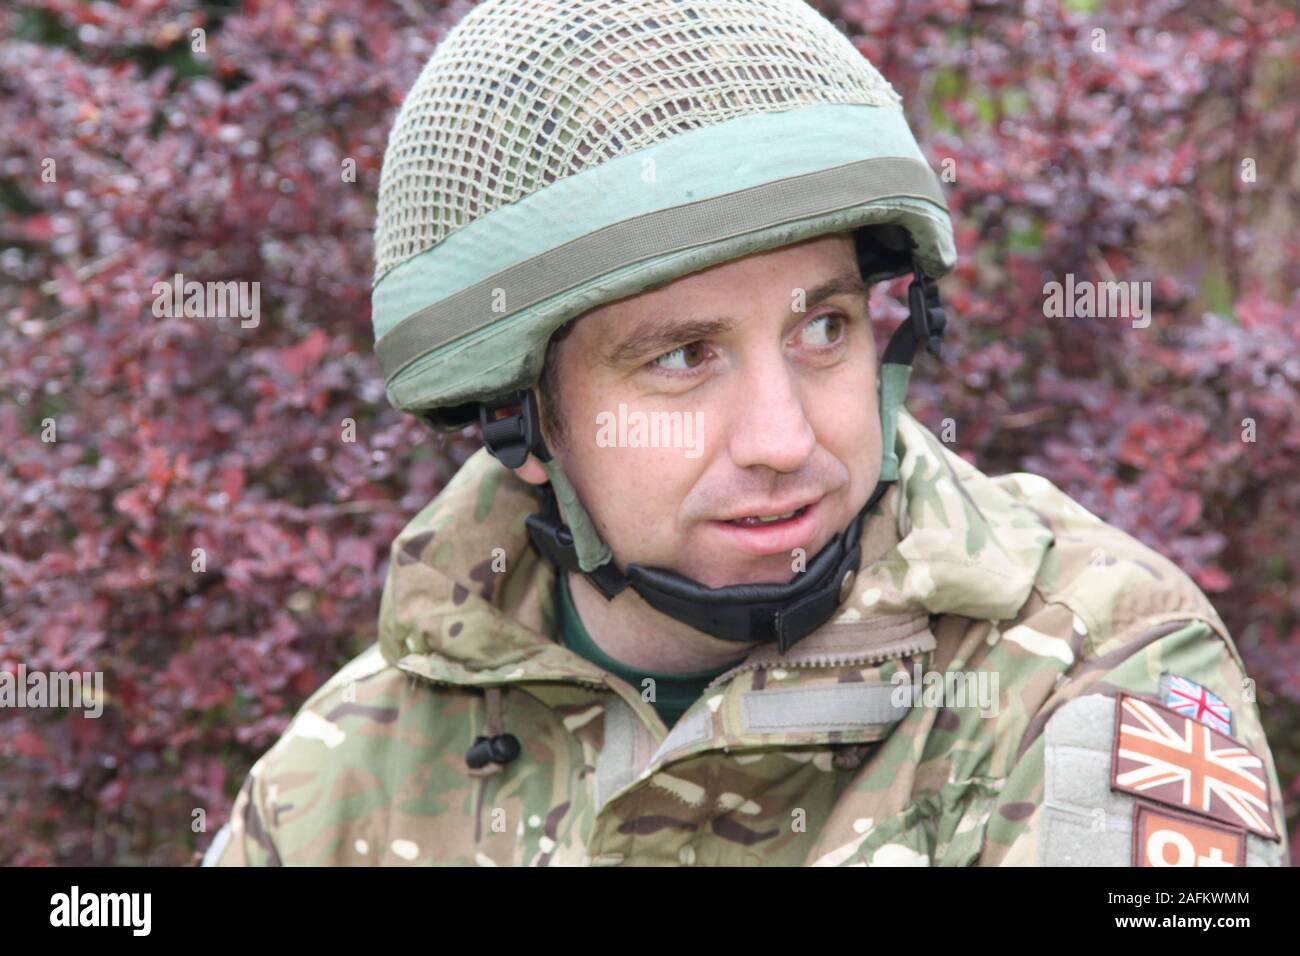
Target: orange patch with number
1168,838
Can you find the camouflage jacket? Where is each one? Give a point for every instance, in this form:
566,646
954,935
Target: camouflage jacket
1066,635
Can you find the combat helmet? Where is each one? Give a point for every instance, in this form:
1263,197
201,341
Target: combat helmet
556,156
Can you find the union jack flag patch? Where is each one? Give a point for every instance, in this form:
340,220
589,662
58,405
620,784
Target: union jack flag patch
1171,759
1190,699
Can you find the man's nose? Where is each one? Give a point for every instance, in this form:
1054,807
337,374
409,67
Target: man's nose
768,425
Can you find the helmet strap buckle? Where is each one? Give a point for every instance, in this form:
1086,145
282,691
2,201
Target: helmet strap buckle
511,438
927,314
549,534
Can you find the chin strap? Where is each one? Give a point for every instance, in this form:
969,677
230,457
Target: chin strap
779,613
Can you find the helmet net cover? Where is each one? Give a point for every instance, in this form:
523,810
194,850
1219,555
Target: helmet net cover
522,93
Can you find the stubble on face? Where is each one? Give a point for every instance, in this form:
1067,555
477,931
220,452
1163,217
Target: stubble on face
780,423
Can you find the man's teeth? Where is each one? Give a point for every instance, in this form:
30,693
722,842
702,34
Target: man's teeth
766,519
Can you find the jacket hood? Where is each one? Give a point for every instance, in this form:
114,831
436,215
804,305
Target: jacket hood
468,601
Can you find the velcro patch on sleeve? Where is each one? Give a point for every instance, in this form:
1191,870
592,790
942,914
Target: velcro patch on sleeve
1163,837
1174,760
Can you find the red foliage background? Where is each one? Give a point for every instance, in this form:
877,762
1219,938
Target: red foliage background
226,164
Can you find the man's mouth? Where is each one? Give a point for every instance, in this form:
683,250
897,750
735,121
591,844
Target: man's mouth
773,532
753,521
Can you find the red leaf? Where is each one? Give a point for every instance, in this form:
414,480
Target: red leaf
232,480
28,744
297,359
160,472
1213,580
304,682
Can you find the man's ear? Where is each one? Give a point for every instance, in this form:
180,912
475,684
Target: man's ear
532,471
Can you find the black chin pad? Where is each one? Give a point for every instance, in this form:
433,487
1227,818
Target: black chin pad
761,613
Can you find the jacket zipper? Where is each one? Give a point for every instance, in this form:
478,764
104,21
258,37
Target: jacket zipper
825,660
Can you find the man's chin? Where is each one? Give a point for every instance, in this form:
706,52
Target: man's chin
776,569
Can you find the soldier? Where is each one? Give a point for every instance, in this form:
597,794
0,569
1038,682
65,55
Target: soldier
710,595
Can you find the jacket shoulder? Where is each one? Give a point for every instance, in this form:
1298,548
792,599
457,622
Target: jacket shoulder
1111,582
1111,616
368,732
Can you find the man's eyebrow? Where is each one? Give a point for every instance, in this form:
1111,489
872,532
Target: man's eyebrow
846,283
651,339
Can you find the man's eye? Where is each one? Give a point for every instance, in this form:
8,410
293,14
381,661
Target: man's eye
681,359
824,330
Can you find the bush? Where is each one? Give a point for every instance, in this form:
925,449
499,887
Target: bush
203,532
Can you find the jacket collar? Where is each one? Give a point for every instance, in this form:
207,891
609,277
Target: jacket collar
467,600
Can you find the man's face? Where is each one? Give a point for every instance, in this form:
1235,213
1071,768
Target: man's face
776,410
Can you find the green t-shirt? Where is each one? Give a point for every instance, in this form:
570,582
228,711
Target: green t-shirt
674,693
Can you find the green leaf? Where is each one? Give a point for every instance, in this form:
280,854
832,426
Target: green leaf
947,83
1027,239
1015,101
1218,294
